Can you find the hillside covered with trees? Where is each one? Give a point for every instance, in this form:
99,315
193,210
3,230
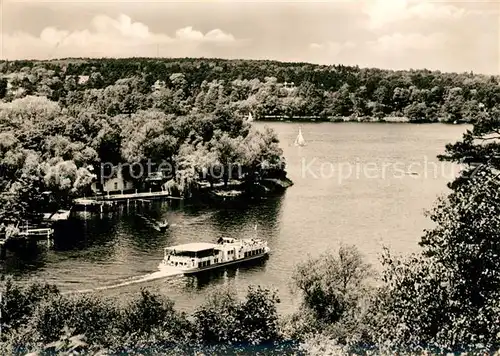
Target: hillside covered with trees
263,88
59,136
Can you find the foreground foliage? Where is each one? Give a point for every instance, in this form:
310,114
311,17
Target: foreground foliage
38,318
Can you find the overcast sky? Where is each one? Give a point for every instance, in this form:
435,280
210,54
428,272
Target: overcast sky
396,34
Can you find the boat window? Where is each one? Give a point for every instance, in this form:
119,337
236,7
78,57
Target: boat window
183,253
205,253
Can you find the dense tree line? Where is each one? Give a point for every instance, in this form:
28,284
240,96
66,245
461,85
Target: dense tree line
38,318
60,143
323,92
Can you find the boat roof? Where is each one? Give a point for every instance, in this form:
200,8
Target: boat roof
193,247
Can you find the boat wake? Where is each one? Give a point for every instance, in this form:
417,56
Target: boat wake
146,278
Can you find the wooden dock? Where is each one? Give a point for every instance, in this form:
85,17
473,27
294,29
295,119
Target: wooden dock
124,197
36,233
27,234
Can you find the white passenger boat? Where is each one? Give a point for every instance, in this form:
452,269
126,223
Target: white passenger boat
197,257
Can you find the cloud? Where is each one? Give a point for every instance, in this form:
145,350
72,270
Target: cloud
458,36
398,42
217,35
122,26
332,48
110,37
392,51
383,12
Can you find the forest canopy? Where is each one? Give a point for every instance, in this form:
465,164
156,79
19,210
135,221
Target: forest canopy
61,120
59,130
264,88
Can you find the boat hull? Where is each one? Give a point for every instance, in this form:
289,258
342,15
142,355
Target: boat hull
216,266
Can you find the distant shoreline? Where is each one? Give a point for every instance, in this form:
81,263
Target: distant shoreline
387,120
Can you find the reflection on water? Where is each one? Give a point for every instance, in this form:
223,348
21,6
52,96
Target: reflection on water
118,253
202,280
23,260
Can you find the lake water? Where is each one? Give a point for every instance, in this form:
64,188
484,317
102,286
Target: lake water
355,183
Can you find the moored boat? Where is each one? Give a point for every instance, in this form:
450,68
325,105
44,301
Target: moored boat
157,225
201,256
161,225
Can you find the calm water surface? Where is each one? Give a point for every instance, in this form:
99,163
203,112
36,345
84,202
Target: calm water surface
362,184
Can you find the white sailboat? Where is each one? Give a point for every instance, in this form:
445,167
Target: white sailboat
299,141
250,117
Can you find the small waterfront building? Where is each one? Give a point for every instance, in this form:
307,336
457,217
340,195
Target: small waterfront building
154,181
113,183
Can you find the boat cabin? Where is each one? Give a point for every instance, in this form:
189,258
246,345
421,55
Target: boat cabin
193,255
226,240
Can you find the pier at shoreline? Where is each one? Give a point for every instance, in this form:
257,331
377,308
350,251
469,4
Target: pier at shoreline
117,198
29,234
